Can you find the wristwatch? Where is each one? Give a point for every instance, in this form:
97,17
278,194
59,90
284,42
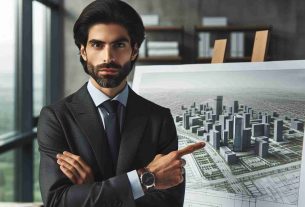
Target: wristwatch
147,178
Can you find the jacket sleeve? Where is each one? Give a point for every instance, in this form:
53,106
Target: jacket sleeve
173,197
56,189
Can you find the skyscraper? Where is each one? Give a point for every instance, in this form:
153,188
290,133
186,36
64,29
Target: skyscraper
246,139
261,146
278,130
246,117
229,127
218,106
237,133
235,107
222,120
186,121
215,138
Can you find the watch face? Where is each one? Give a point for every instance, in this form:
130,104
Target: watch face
148,179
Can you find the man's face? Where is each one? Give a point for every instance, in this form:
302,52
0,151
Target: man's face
108,54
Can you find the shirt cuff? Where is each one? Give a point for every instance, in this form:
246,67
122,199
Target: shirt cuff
136,187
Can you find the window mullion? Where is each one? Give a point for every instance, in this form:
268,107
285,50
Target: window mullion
24,102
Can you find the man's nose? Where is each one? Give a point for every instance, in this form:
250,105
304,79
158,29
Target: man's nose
107,54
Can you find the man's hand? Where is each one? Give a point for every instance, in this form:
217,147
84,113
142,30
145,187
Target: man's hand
75,168
168,169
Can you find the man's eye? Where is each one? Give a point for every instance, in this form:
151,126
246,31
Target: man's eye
119,45
96,44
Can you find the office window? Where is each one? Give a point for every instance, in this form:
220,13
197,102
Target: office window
16,102
7,65
40,54
7,176
40,58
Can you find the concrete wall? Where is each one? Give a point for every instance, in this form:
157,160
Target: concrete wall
286,16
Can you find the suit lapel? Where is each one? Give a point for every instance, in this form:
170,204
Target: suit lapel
89,121
133,130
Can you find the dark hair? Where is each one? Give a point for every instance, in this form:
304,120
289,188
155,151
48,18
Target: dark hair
108,11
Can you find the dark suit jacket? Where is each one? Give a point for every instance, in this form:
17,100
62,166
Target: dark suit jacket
74,125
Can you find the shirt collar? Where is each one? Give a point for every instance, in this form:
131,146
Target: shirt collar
99,97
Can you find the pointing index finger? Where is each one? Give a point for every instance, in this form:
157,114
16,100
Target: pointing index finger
191,148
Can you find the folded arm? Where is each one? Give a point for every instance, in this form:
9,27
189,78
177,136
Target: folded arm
56,188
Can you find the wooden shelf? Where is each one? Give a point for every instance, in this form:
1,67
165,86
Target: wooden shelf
228,59
161,59
231,28
163,28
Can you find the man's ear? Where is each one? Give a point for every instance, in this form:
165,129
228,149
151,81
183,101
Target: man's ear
83,52
135,52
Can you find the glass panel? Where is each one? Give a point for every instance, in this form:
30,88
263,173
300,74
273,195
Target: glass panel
40,14
7,65
7,176
37,195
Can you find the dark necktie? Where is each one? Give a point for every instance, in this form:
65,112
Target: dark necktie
112,128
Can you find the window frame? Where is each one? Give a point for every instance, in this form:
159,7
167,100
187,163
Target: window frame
22,139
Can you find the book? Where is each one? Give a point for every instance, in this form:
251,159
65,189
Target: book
163,52
237,44
214,21
241,44
150,19
204,44
162,44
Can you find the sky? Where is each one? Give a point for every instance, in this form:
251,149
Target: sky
8,20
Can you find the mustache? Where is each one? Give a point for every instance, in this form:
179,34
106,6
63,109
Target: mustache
108,65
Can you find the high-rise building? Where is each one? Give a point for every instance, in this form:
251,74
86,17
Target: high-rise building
246,139
218,106
229,127
217,127
246,117
222,120
228,155
196,120
259,130
194,128
230,110
237,133
235,107
214,117
245,109
266,119
251,112
186,121
201,131
178,118
224,137
215,139
267,130
278,130
201,107
193,105
208,126
262,146
298,125
208,115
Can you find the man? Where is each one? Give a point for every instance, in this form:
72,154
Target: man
104,145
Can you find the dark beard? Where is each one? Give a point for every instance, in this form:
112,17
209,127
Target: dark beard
110,81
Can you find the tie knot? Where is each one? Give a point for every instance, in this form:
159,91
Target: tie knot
111,105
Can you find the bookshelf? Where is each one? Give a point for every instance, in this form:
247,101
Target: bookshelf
219,32
163,33
231,28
